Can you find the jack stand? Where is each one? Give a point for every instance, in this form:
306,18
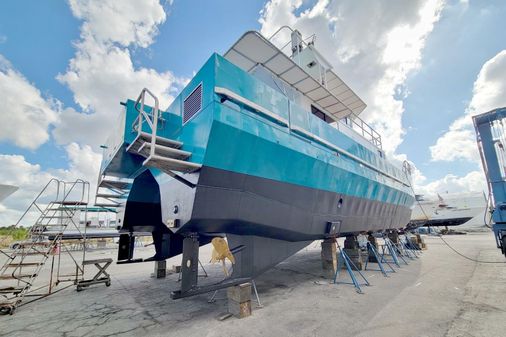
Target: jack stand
372,249
408,247
400,255
391,250
213,297
415,250
408,251
343,258
404,245
402,251
411,247
259,305
201,266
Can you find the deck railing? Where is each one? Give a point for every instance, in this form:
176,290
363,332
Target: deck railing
365,130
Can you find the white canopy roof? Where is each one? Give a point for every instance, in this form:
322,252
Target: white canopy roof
336,98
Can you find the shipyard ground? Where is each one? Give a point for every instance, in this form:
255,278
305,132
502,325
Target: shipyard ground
440,294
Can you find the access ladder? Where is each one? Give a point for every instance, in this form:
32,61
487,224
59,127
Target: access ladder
24,264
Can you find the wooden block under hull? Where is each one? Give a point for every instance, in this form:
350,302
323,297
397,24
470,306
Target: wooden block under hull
239,300
239,310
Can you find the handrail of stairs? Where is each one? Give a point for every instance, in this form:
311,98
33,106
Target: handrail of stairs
41,195
34,202
64,190
153,123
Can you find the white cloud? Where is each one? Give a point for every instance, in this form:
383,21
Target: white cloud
374,47
25,114
84,163
102,73
125,22
459,142
489,92
472,182
100,77
15,170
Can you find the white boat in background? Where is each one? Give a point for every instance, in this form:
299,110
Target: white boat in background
6,190
447,209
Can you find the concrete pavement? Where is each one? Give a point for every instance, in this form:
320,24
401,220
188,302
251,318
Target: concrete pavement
439,294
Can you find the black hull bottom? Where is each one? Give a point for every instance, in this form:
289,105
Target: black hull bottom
439,222
265,221
239,204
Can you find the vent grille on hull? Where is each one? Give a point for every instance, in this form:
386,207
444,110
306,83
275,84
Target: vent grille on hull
192,104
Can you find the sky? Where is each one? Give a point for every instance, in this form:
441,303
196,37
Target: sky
423,68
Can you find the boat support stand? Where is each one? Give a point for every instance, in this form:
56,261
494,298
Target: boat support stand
388,247
372,251
190,268
344,260
259,304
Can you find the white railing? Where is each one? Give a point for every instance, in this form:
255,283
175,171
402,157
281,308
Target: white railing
364,129
150,118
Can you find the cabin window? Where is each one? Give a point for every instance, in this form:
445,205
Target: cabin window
318,113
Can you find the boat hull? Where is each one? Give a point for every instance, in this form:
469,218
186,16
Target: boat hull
264,220
230,202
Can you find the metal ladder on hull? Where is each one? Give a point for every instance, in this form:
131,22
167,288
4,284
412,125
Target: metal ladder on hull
160,152
112,192
25,263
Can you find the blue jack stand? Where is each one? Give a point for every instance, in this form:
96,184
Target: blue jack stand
391,250
343,258
409,245
372,251
403,251
409,252
409,249
400,252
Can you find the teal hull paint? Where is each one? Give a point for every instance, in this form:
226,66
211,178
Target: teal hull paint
231,77
316,168
231,137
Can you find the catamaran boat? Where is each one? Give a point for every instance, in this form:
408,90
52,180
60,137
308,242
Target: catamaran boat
263,147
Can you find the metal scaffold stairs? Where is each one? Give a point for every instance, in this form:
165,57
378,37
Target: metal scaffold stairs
112,192
55,213
160,152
